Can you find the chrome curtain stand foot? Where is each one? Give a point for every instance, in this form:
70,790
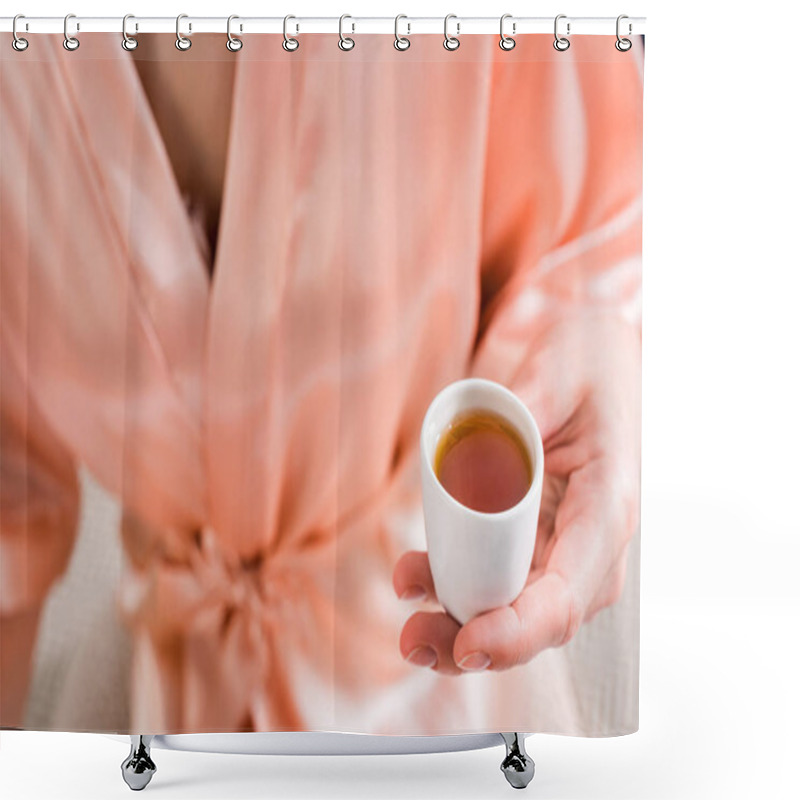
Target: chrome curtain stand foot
517,766
138,768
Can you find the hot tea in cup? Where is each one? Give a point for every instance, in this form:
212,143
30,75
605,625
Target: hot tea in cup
482,465
482,461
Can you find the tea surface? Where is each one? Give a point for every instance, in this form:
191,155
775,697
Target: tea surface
481,461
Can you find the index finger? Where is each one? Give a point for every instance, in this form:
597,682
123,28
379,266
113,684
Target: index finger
412,577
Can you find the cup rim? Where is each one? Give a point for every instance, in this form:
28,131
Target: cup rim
538,460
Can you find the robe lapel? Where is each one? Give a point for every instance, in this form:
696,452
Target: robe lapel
144,209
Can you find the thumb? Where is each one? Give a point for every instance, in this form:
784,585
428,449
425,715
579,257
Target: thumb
544,615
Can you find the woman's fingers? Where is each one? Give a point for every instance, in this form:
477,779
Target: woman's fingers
427,641
412,577
427,637
544,615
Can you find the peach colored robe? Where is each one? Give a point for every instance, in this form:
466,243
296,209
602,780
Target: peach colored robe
391,222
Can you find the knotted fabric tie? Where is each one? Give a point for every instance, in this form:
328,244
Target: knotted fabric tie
213,618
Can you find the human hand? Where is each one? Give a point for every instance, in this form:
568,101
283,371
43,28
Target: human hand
583,385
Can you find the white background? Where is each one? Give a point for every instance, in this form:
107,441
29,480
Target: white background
721,539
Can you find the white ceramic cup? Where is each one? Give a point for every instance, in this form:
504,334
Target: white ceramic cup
479,560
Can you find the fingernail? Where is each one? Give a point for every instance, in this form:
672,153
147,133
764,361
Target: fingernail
422,656
474,662
414,592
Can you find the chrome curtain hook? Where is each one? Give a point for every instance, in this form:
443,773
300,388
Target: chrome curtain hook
70,42
181,42
128,42
233,44
506,42
17,42
401,42
345,42
451,42
622,44
290,44
561,43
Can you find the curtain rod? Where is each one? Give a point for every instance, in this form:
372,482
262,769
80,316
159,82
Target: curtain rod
407,25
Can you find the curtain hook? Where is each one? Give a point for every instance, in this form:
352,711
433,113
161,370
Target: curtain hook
70,42
622,44
506,42
181,42
128,42
561,43
451,42
345,42
290,44
17,42
233,44
401,42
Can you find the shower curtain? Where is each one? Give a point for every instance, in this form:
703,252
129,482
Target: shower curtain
232,284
